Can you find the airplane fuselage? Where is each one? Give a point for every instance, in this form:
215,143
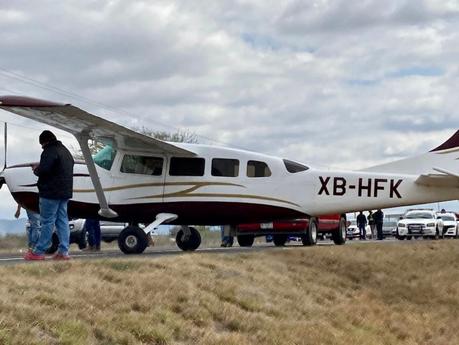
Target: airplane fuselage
225,186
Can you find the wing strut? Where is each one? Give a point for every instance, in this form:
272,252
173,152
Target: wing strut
104,211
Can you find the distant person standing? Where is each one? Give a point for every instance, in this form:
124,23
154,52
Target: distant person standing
361,224
34,226
55,187
92,226
371,223
379,220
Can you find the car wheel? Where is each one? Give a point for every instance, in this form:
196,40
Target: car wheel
280,240
82,241
339,236
437,235
54,244
245,240
401,238
310,237
132,240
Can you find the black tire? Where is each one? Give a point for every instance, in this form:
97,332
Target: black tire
132,240
437,235
401,238
310,237
408,238
193,242
245,240
339,236
280,240
82,241
54,244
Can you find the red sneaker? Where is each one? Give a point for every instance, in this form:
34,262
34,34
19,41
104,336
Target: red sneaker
32,256
60,256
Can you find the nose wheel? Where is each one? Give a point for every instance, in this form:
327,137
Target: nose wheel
132,240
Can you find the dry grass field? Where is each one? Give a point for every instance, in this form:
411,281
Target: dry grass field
369,293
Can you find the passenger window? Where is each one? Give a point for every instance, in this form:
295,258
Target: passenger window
294,167
225,167
143,165
187,166
257,169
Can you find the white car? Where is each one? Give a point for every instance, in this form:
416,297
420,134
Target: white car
450,227
419,223
354,232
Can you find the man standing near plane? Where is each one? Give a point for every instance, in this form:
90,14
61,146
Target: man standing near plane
362,223
55,186
378,216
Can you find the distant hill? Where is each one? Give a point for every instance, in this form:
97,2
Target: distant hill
12,226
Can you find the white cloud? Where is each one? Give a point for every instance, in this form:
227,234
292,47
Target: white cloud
325,82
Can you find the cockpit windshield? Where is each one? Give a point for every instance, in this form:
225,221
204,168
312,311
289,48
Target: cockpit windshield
105,157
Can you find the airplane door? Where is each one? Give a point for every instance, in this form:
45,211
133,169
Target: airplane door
139,179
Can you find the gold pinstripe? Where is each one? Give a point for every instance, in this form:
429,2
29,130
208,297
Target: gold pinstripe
186,193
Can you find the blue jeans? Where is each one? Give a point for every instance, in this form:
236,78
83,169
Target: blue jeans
363,231
34,228
92,226
53,212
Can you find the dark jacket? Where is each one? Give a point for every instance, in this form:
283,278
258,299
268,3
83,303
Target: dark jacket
55,172
378,216
361,219
371,220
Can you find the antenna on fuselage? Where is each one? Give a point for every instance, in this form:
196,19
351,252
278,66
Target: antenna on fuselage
5,140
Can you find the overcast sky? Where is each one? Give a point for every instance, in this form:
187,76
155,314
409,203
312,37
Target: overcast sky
346,84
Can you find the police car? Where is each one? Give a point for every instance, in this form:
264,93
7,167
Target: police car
450,226
419,223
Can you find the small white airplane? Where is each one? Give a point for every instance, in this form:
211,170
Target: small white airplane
138,179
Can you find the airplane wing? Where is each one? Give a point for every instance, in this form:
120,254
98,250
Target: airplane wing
84,126
79,122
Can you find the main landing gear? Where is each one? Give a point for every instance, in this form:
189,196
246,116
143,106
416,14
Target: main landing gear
134,240
188,238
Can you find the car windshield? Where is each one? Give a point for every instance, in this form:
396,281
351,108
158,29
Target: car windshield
447,217
417,215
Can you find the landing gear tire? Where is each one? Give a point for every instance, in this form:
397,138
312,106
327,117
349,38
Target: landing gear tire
188,244
132,240
245,240
339,236
54,244
310,237
280,240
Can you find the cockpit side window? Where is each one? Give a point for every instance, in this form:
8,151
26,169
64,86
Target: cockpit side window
294,167
105,157
258,169
144,165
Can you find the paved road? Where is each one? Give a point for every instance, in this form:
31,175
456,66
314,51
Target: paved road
6,259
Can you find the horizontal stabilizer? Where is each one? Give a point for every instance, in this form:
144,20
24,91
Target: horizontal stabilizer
438,180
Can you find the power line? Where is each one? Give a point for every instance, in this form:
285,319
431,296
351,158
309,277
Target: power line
13,75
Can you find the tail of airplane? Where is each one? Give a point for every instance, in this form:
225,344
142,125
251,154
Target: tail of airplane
438,167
